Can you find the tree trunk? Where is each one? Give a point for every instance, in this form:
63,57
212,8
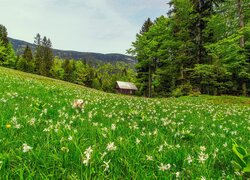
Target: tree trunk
244,89
182,72
149,81
200,37
242,40
199,42
241,21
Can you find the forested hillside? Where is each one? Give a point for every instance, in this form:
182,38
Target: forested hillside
199,47
89,57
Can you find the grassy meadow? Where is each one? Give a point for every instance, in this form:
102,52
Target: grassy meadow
115,136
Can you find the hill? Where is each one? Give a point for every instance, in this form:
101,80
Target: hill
90,57
114,136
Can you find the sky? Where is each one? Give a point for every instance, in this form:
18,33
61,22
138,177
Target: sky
103,26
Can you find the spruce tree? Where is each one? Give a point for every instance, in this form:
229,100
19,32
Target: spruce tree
4,35
44,55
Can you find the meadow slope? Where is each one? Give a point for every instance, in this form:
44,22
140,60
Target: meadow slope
114,136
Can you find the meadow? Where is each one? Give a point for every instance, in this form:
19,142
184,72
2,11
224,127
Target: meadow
115,136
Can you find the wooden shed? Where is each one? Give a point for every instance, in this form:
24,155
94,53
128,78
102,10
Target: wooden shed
125,87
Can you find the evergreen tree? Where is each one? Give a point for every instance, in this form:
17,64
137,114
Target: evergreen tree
144,66
4,36
26,61
43,56
69,67
38,54
47,56
7,54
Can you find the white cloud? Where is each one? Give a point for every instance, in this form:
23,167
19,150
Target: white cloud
82,25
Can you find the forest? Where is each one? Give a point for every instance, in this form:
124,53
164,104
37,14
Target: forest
202,46
198,47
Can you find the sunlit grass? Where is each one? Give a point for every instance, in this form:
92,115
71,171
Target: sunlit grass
114,136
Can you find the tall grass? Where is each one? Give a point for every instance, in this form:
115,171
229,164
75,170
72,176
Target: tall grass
114,136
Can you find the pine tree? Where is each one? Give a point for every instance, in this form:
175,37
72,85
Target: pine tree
43,56
7,54
4,35
27,54
47,55
26,63
38,54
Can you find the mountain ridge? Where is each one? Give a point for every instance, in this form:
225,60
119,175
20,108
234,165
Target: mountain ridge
89,57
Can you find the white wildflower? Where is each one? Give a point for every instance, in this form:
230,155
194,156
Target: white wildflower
113,127
26,148
87,153
138,141
70,138
111,146
178,146
106,164
164,167
203,178
65,149
202,157
189,159
160,148
17,126
202,148
32,121
149,158
103,154
177,174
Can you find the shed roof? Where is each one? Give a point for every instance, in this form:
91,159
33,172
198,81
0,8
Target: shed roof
126,85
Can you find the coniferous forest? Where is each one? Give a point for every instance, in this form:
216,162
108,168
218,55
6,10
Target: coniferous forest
198,47
202,46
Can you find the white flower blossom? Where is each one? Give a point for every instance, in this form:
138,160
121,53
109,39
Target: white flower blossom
111,146
26,148
106,164
164,167
149,158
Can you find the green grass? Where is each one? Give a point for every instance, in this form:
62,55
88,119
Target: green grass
38,111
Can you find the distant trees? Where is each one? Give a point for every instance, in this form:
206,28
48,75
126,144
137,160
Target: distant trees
102,77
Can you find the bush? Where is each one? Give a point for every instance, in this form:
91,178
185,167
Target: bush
195,93
182,90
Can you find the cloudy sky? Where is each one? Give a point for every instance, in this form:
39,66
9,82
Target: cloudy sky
105,26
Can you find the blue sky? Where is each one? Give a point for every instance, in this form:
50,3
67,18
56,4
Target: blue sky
105,26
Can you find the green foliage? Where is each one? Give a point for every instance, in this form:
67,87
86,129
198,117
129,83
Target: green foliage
242,159
205,43
211,79
26,62
102,77
57,70
182,90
